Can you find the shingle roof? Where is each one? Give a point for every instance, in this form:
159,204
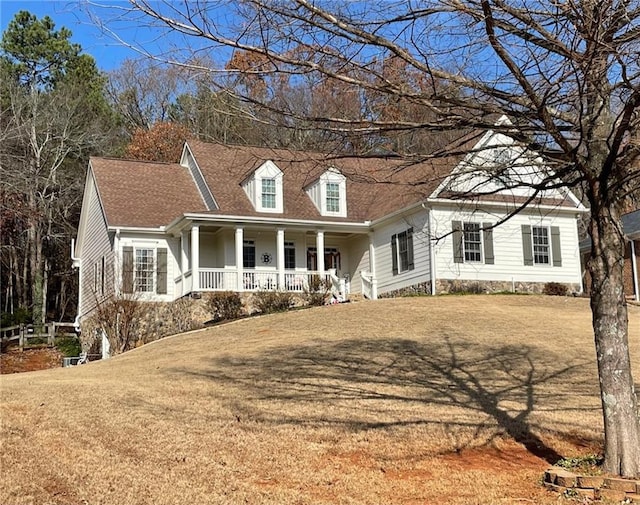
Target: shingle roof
144,194
148,194
376,186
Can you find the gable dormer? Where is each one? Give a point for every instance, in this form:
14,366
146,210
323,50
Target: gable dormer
329,193
264,188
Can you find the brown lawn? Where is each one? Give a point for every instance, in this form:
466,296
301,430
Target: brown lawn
459,400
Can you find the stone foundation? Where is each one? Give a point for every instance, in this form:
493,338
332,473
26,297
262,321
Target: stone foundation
423,288
452,286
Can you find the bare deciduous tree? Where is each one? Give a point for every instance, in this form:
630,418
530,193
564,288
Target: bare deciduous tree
565,72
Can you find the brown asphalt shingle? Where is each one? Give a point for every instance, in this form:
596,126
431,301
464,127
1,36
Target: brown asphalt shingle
149,194
144,194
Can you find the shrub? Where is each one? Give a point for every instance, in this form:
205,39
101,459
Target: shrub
268,302
317,293
555,289
69,346
224,305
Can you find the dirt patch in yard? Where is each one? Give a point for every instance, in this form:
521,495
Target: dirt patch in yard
30,360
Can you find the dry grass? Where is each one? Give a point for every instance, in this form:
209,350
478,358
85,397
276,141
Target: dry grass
410,401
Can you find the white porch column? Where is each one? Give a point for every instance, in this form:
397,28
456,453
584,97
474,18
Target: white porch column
195,257
634,273
372,268
280,256
320,250
239,257
184,257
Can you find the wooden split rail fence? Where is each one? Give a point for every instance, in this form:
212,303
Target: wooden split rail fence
29,336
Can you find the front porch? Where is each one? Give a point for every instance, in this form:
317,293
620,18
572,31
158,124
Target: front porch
213,257
228,279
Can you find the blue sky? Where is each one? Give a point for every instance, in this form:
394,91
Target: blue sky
107,52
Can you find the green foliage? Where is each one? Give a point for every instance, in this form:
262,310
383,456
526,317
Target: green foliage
20,316
224,305
69,346
582,464
555,289
317,292
268,302
37,54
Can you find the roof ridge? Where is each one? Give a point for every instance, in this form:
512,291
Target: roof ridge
133,160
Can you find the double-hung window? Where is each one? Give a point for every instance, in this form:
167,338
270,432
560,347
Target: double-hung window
540,237
402,251
472,242
144,269
541,245
333,197
268,193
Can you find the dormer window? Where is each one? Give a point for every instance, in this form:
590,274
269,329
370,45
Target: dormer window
333,197
329,193
269,193
264,188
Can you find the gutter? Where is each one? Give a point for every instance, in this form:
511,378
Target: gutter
349,226
502,205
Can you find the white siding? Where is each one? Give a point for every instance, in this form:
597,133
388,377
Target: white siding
382,242
359,261
198,178
507,245
155,241
93,243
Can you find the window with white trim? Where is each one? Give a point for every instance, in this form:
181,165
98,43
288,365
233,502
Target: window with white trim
472,242
268,193
144,270
402,251
333,197
540,238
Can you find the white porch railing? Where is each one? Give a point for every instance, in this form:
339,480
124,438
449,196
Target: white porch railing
218,279
221,279
369,285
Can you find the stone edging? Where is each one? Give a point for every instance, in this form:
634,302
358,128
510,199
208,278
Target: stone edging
592,486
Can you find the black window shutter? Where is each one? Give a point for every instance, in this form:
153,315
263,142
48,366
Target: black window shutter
127,269
527,246
410,249
555,246
458,253
487,235
394,254
161,273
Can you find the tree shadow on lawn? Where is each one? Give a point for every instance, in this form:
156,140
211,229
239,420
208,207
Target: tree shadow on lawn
486,380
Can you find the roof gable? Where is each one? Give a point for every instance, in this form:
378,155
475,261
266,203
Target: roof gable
144,194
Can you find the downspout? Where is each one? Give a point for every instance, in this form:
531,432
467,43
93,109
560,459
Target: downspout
117,273
77,263
634,268
432,251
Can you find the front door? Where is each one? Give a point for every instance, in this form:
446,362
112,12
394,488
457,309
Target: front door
331,258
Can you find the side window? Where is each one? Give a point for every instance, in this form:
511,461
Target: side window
402,251
144,270
541,245
472,242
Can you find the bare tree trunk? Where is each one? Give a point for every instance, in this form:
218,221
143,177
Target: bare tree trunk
609,309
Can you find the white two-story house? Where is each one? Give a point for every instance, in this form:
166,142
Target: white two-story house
246,219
